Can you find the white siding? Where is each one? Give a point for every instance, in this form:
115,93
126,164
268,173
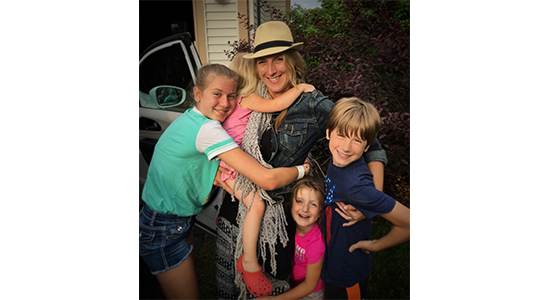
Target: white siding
220,24
221,27
221,15
265,16
279,4
220,40
254,18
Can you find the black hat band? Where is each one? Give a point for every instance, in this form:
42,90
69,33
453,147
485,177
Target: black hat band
272,44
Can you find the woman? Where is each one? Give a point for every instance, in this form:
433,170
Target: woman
281,139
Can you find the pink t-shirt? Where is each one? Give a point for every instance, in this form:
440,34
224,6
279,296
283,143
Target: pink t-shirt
309,250
235,125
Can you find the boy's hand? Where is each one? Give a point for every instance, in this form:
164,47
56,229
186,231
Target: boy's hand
348,212
365,246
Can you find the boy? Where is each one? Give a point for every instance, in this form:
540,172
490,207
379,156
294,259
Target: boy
352,127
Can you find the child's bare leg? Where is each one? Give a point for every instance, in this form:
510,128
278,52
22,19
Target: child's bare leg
251,229
171,281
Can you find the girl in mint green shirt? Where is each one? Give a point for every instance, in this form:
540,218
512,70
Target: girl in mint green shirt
181,175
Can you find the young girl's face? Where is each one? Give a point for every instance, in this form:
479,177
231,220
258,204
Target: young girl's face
306,209
218,99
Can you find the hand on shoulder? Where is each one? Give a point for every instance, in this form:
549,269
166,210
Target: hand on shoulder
304,87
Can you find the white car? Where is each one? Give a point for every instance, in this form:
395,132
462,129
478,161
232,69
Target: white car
167,75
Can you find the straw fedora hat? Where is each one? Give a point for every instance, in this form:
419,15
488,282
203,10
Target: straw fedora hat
273,37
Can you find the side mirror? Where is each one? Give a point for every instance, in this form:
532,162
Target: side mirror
167,96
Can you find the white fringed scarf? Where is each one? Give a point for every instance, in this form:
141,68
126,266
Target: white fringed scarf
274,221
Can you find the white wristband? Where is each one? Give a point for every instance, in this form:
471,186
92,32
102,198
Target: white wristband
301,172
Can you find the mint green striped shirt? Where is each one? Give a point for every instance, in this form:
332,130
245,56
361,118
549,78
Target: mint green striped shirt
184,164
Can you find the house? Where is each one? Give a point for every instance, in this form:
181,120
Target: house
211,23
216,24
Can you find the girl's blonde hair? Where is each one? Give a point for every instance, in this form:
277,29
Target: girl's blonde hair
295,68
310,182
353,116
243,67
204,77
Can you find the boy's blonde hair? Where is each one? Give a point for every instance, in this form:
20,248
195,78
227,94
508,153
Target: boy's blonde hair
353,116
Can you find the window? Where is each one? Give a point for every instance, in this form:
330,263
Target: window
167,66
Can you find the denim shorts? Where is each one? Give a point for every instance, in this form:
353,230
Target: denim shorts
163,239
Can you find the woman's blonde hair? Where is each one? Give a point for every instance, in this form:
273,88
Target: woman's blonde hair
295,68
351,116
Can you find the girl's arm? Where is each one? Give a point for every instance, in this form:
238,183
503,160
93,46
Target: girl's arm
257,103
267,179
400,216
313,274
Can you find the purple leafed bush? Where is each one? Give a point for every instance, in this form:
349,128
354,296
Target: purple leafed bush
361,48
357,48
395,138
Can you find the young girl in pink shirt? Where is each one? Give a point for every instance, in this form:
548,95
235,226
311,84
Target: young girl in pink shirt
235,125
307,206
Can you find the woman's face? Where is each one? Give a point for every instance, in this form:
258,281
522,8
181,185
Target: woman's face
218,99
273,73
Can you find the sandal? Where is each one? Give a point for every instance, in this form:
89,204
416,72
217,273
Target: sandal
255,282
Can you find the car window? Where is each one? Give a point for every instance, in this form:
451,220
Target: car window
167,67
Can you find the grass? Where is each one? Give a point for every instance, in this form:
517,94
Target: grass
390,271
205,265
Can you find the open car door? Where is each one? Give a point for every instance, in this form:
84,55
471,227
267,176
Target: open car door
167,75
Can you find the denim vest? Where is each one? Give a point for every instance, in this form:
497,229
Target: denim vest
304,125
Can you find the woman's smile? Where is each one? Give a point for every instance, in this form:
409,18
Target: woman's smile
274,79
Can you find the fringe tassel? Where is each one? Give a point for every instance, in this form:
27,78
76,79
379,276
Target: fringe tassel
274,220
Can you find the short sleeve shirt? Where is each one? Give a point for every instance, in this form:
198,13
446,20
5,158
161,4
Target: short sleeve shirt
309,250
352,185
184,164
236,123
